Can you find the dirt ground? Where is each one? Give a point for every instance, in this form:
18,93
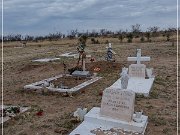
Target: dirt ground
160,106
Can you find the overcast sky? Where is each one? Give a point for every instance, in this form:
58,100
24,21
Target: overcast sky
36,17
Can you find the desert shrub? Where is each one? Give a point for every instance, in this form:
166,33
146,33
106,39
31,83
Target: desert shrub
92,40
154,94
148,36
106,42
95,41
158,121
83,39
121,37
142,39
167,37
130,37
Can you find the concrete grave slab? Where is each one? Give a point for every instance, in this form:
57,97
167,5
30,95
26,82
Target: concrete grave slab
140,79
136,84
45,60
41,85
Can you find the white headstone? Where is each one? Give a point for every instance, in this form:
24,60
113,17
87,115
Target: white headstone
137,70
118,104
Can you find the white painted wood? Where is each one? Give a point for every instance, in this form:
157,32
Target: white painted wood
70,54
45,60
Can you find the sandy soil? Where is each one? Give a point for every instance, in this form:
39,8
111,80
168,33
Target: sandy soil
57,110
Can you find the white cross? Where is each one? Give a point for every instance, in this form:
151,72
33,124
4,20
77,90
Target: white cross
138,58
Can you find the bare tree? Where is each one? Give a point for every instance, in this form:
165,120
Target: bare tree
136,30
154,30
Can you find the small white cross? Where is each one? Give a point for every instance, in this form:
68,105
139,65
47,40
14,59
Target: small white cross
138,58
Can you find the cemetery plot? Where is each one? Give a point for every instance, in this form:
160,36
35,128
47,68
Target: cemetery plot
116,112
138,85
11,111
57,110
63,83
140,79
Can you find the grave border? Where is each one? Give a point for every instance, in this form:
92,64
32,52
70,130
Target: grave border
33,86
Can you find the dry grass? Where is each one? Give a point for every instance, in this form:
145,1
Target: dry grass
57,110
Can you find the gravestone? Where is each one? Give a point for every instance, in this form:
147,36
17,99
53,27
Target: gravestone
116,113
140,78
137,70
118,104
110,52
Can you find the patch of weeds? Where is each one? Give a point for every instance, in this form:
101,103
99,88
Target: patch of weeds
22,133
173,122
68,124
166,131
163,95
158,121
66,116
105,75
20,91
160,81
98,100
149,107
65,121
34,108
140,96
154,94
58,122
46,126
